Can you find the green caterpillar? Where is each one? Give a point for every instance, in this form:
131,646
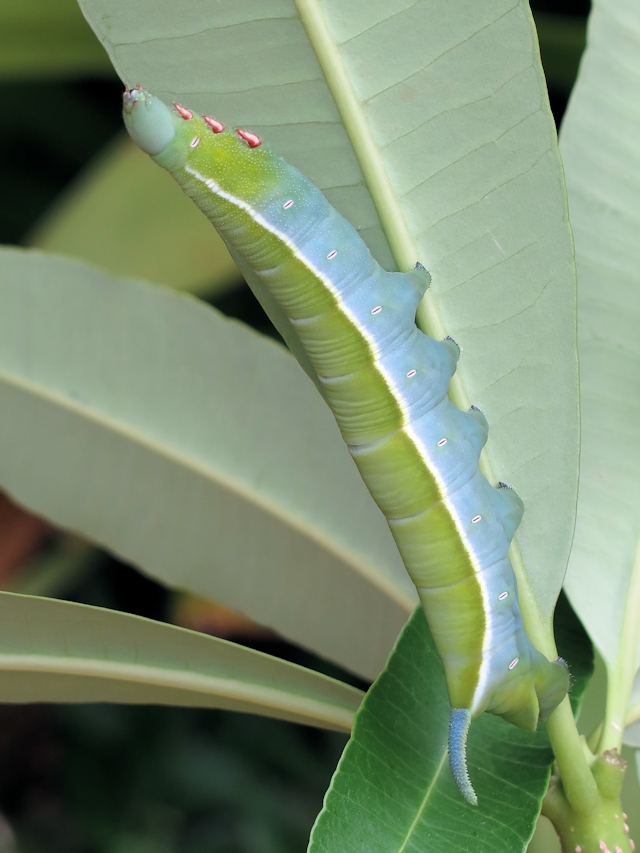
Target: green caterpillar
386,383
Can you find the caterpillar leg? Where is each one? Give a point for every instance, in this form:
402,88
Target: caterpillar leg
459,722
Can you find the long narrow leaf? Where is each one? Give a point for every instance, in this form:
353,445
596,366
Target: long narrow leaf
57,651
602,161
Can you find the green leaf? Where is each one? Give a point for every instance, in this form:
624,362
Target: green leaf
129,217
602,162
196,449
41,38
57,651
427,124
393,790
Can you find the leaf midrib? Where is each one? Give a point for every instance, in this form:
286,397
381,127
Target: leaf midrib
251,496
160,676
367,152
424,802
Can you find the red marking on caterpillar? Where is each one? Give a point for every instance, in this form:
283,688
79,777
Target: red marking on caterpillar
250,138
215,125
183,112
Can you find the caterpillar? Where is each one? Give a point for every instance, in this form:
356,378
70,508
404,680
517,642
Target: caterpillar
386,383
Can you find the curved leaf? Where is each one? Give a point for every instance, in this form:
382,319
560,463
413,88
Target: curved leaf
393,790
427,124
196,449
602,163
57,651
127,216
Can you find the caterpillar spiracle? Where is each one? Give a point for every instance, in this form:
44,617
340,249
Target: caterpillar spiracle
386,383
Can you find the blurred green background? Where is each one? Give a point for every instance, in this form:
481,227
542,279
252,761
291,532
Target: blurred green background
115,779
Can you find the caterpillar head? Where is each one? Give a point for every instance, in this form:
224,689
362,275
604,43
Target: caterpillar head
182,142
150,123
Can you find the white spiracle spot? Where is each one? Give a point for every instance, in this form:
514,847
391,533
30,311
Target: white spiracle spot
514,663
288,204
442,442
502,596
377,309
411,374
476,519
332,255
195,142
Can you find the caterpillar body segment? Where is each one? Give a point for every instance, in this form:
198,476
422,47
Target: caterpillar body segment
386,383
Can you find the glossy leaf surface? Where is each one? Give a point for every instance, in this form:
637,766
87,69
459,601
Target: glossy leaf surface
393,790
58,651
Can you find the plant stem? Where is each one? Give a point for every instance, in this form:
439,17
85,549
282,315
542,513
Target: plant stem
578,783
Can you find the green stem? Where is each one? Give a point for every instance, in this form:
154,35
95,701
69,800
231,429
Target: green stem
621,674
578,783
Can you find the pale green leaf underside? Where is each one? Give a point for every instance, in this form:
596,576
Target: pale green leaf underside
41,38
58,651
449,137
602,162
196,449
129,217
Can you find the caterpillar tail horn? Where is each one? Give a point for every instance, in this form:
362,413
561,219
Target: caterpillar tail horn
459,722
